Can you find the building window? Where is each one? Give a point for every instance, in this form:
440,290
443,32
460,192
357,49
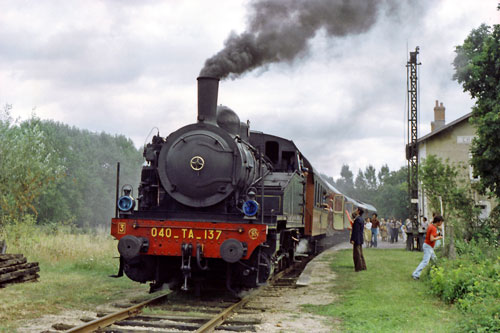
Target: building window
471,171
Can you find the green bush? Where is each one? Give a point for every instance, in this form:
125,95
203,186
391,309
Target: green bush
478,249
485,316
471,282
19,232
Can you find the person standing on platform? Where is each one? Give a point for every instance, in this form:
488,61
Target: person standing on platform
357,242
409,235
403,230
432,235
375,229
392,228
399,230
368,232
396,225
383,230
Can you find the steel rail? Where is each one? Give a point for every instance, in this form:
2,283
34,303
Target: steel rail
222,316
114,317
226,313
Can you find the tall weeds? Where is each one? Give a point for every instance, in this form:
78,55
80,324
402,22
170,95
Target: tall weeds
62,244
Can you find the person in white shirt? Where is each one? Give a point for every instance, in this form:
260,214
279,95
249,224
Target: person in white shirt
368,232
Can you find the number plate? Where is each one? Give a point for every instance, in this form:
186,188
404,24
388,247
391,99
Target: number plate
186,233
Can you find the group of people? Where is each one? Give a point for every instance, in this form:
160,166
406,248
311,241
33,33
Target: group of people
388,230
359,234
371,231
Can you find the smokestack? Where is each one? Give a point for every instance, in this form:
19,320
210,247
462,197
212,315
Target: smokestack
439,117
208,89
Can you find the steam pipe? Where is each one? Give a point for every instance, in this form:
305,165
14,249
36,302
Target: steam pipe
208,89
117,188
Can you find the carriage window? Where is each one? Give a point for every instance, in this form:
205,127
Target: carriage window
319,195
338,203
317,198
315,193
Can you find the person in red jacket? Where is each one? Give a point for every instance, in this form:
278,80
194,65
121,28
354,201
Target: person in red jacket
432,235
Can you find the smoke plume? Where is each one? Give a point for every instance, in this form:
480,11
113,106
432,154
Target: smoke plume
280,30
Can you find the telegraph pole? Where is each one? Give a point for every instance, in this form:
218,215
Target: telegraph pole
412,146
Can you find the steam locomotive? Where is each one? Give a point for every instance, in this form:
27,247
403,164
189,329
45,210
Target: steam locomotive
219,202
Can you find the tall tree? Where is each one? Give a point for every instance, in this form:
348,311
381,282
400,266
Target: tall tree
371,178
391,197
361,187
28,166
347,175
346,181
477,68
383,174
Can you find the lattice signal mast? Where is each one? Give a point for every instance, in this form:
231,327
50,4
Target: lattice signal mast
412,147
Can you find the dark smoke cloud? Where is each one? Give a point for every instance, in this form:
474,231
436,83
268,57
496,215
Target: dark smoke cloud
280,30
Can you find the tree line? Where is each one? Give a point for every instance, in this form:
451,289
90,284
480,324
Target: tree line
61,174
385,189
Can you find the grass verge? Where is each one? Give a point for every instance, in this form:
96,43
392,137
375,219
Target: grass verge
74,270
384,298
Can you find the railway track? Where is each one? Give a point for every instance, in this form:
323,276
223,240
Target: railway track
178,312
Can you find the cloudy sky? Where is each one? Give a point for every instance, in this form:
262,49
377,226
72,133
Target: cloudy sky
124,67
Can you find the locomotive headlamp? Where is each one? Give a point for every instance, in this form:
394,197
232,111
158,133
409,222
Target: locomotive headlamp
126,203
250,207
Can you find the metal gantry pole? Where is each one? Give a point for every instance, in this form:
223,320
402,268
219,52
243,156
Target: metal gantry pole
412,146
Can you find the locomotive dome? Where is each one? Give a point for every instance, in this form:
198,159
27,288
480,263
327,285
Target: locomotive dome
228,120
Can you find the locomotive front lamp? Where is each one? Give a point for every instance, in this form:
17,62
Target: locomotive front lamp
250,207
126,203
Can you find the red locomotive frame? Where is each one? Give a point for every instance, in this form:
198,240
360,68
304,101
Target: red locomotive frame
166,237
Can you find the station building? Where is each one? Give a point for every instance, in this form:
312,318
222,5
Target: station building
450,141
